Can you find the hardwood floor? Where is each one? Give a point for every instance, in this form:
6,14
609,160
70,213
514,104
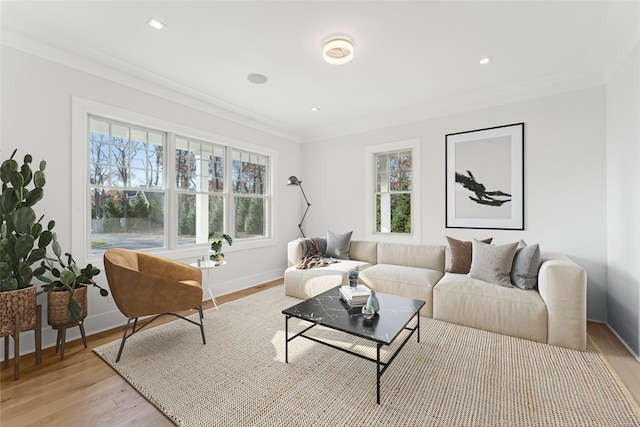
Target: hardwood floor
82,390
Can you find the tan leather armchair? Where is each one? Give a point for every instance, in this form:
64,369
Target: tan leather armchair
147,285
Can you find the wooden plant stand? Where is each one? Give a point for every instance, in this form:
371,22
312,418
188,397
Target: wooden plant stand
16,342
62,336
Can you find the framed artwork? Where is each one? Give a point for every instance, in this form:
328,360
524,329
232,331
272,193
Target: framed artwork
485,178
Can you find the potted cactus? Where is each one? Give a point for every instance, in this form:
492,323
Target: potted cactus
23,242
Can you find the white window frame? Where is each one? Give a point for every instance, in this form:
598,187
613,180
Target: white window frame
370,191
81,109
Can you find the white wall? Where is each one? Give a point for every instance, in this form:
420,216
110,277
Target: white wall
623,200
565,189
36,118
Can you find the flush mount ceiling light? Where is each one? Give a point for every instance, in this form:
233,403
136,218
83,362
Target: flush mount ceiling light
257,78
485,61
338,51
153,22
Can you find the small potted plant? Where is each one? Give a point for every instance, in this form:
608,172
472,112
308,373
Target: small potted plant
67,292
216,239
353,277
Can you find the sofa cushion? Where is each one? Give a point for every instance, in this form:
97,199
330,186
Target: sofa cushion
458,298
410,282
525,267
422,256
461,253
308,283
338,245
492,263
364,250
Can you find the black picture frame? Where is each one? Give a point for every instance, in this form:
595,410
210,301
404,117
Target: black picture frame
484,178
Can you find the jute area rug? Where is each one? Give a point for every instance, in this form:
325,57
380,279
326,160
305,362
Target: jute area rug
455,376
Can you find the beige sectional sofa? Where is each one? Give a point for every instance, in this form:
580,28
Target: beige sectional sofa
553,313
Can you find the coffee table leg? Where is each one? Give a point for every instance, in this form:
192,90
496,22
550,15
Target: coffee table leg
418,327
286,339
378,374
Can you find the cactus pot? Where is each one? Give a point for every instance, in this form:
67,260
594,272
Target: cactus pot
21,301
57,302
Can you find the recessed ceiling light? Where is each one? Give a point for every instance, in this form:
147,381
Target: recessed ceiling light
314,109
257,78
153,22
485,61
338,51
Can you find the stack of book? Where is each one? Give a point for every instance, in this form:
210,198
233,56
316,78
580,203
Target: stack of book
354,297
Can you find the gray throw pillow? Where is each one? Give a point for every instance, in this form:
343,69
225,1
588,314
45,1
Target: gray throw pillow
525,267
492,263
338,245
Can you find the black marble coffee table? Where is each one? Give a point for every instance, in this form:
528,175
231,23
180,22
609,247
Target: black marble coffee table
328,310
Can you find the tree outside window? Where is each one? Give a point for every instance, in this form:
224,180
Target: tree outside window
250,194
394,187
126,184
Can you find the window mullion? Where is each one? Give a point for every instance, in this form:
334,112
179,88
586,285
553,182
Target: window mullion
171,198
229,200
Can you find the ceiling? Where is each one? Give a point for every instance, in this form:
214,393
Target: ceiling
413,59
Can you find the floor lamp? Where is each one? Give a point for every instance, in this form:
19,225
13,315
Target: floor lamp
295,181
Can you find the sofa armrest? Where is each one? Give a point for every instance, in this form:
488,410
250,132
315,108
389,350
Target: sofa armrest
563,286
294,252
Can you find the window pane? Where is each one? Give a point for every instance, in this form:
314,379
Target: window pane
250,215
394,182
126,219
198,215
393,213
249,173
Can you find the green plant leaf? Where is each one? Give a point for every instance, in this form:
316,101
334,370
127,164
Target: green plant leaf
67,277
27,175
36,230
104,292
7,167
34,196
9,284
74,309
23,219
23,246
39,179
5,270
9,200
36,255
57,249
45,238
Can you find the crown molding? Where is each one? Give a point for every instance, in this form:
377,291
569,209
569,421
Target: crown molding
78,57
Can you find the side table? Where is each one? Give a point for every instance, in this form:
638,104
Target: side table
207,266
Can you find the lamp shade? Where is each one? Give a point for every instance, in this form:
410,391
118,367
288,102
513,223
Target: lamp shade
293,181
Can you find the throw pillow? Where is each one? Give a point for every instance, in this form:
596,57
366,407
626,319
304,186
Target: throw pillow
461,255
492,263
526,263
338,245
